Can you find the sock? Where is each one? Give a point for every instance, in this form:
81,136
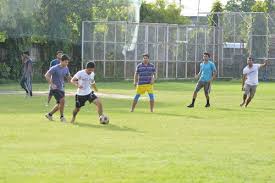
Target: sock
193,101
207,101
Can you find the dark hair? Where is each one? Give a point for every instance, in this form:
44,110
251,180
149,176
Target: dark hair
146,55
26,53
65,57
251,58
90,65
206,53
59,52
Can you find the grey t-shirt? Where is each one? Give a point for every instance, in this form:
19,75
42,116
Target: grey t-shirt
58,73
27,69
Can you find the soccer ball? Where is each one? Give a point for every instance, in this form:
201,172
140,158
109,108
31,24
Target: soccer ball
104,119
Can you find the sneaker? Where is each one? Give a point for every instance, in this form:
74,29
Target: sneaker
191,106
207,105
63,119
49,117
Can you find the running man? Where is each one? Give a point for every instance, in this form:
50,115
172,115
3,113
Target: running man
53,63
206,75
144,79
26,79
250,80
83,80
55,77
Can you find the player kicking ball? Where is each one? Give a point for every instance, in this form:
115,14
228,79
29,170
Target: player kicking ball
83,80
250,80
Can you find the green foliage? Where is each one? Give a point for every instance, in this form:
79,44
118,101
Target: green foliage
249,5
4,71
260,6
214,17
232,6
159,12
3,37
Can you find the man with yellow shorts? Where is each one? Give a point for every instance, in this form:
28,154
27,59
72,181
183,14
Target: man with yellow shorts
144,79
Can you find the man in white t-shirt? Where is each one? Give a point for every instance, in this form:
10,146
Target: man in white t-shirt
83,80
250,80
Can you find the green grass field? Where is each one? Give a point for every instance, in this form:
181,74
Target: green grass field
222,144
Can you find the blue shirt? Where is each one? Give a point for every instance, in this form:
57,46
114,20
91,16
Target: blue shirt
206,71
54,62
145,73
58,73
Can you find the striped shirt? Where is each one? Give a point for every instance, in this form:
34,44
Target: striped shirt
145,73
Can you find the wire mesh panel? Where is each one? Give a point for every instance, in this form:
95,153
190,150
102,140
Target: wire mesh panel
176,50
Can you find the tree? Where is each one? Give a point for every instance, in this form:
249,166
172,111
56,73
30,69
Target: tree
232,6
214,17
260,6
159,12
246,5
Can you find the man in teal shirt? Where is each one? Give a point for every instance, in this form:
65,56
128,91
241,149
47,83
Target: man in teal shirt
206,75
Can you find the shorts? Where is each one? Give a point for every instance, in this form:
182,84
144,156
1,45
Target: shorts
58,95
203,84
80,100
142,89
250,90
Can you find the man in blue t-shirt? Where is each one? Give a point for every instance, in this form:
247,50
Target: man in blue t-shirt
206,75
55,77
53,63
144,79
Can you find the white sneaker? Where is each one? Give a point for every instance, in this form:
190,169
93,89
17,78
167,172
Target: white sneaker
63,119
49,117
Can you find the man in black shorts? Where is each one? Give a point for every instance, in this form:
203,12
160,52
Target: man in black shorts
55,77
83,80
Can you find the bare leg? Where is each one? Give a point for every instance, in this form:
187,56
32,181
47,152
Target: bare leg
76,110
248,100
244,99
134,105
55,108
61,106
49,98
152,104
99,107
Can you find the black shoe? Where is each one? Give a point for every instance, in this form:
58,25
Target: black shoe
207,105
191,106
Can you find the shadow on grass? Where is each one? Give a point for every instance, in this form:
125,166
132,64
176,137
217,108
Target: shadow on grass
108,127
179,115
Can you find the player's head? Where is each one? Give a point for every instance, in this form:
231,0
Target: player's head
250,61
25,55
146,58
206,56
59,54
90,67
64,60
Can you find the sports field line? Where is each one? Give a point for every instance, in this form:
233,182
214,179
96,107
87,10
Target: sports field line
68,93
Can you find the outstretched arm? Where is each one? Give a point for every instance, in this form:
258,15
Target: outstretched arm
264,64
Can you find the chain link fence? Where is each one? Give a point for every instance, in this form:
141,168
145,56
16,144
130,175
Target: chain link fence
176,50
